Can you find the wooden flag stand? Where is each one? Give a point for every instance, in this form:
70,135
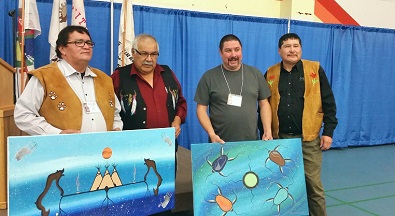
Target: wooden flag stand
7,124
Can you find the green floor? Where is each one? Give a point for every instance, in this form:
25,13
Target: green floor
360,181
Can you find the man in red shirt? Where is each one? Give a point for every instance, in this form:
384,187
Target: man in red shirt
150,94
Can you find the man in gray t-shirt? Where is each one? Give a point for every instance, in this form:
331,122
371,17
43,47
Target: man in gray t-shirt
232,91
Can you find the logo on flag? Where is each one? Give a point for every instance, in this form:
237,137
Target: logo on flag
58,22
126,34
28,28
78,13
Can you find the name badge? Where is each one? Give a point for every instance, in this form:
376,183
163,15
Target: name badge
91,107
235,100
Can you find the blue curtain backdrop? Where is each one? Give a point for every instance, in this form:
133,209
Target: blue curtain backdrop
356,60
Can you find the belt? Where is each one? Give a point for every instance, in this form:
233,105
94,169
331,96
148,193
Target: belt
290,134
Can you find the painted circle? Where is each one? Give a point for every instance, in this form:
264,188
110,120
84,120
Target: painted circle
250,180
107,152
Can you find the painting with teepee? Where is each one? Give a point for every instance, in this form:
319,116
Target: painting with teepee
110,173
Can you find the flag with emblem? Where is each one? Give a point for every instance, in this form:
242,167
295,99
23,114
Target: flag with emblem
78,13
28,28
126,34
58,22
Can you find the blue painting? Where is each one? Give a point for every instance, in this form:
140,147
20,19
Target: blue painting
109,173
249,178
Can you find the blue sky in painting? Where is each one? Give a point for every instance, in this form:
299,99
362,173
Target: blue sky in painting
31,159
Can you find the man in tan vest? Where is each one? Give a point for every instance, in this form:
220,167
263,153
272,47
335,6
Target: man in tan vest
301,101
68,96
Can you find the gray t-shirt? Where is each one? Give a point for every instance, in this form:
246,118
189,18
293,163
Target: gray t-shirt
233,123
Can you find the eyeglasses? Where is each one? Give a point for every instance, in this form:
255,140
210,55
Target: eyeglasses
145,54
81,43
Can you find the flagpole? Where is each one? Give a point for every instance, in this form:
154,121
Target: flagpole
289,24
23,47
124,32
112,36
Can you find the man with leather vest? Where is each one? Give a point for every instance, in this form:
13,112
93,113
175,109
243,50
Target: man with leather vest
302,100
68,96
150,94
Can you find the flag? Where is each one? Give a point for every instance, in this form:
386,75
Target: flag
58,22
78,13
28,28
126,34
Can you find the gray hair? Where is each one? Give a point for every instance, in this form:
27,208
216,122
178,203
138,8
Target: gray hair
143,36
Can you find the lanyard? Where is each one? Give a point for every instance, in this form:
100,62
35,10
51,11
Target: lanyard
242,79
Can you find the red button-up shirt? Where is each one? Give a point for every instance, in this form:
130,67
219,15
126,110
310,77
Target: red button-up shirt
155,97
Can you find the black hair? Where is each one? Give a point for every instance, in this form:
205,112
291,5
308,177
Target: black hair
63,36
228,37
288,36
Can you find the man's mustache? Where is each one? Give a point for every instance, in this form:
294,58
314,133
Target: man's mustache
148,63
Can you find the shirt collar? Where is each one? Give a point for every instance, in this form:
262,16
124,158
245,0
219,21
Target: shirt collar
68,70
298,66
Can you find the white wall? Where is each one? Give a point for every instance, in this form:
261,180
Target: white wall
260,8
373,13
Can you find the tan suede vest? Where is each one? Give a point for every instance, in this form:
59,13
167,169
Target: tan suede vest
312,112
62,108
